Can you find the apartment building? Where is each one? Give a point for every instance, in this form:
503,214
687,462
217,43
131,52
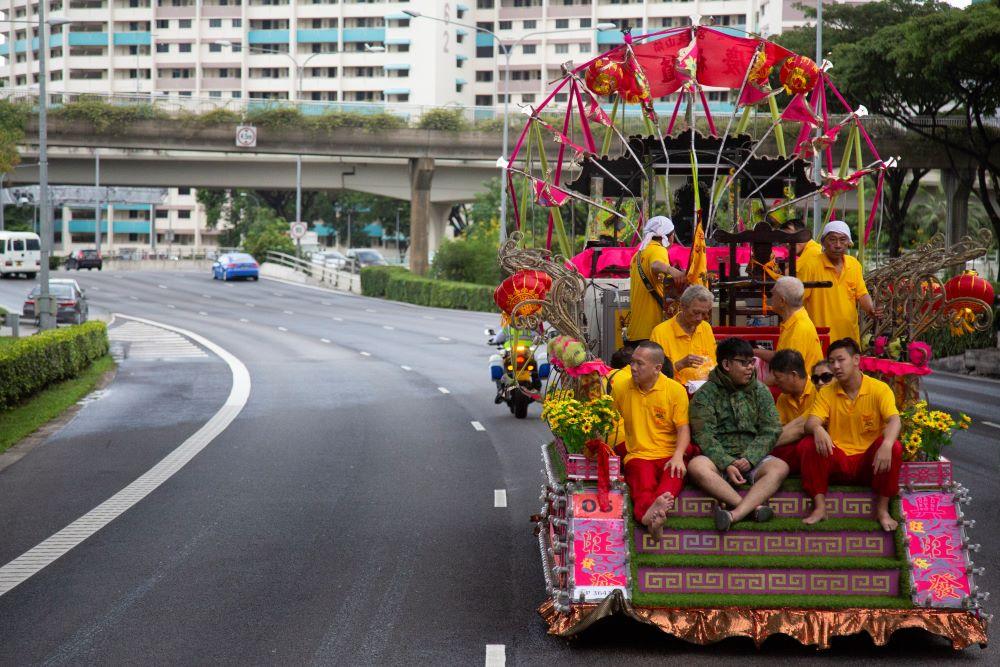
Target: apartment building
333,51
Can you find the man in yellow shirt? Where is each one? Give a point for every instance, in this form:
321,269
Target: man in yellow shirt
654,412
836,307
797,330
855,425
649,265
797,394
802,250
687,338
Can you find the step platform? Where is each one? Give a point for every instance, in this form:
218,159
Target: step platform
736,543
766,581
840,504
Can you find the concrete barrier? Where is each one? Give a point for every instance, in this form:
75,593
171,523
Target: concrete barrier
157,265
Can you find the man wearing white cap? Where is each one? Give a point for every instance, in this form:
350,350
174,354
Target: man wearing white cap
836,307
650,263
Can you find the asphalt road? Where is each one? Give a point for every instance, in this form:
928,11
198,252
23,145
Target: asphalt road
348,514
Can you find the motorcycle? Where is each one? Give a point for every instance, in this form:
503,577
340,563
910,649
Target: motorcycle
516,371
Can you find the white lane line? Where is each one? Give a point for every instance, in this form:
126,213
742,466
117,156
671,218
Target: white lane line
496,655
324,340
134,298
478,426
338,319
170,305
228,285
990,424
387,327
288,312
248,304
428,317
366,354
499,497
244,320
406,368
443,390
369,310
203,313
282,329
205,296
325,303
444,338
162,286
48,551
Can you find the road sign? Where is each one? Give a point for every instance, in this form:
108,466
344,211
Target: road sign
246,136
298,230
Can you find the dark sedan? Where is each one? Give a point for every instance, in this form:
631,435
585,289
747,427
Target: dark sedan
84,259
71,306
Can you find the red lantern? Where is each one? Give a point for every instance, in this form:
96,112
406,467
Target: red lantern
935,298
604,76
522,286
962,288
799,75
633,90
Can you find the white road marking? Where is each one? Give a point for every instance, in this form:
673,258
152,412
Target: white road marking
248,303
387,327
338,319
162,286
203,313
478,426
205,296
366,354
496,655
152,343
444,338
288,312
48,551
228,285
369,310
443,390
277,293
991,424
406,368
499,497
282,329
244,320
428,317
134,298
325,303
170,305
324,340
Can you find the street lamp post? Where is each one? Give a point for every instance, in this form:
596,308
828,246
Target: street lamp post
507,52
43,303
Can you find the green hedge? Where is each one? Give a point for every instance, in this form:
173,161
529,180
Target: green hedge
30,364
398,284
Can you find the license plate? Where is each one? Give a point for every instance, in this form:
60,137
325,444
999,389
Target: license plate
20,263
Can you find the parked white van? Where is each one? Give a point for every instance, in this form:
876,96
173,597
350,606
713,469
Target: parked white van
20,253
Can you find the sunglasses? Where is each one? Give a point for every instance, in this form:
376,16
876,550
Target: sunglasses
822,377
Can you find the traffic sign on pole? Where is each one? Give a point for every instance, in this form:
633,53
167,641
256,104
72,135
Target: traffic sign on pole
297,230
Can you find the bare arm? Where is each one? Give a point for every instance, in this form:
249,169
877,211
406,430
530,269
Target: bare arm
869,307
824,443
883,459
675,466
791,432
666,269
765,355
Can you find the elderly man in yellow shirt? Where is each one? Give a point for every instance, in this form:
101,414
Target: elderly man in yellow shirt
836,307
797,331
650,263
854,424
654,413
687,338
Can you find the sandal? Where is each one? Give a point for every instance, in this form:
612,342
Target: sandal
723,519
763,514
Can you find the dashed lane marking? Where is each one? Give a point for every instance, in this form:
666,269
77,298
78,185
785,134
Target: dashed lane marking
444,338
496,655
324,340
170,305
478,426
428,317
991,424
203,313
288,312
369,310
406,368
244,320
48,551
443,390
388,328
366,354
338,319
134,298
282,329
162,286
499,497
205,296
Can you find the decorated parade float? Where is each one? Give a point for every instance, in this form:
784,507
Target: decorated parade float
791,136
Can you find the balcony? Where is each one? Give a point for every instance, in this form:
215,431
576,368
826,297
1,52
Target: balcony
90,39
268,37
131,39
364,34
187,12
315,36
221,11
175,84
220,83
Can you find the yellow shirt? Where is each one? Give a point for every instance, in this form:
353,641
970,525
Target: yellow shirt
855,424
651,418
835,307
677,344
792,407
646,313
811,248
798,333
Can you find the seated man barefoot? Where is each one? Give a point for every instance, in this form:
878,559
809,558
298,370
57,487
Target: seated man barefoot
654,410
855,425
734,422
797,394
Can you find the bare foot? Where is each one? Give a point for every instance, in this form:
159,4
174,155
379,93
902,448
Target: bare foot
887,522
818,514
665,502
656,528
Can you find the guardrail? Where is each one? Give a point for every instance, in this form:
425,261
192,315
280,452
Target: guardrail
337,279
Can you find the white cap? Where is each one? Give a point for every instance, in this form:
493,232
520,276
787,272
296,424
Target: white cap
838,226
658,225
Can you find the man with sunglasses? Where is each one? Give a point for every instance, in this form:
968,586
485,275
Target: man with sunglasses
735,424
855,425
836,307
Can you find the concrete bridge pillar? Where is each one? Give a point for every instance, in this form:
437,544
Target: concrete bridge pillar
957,187
421,175
438,231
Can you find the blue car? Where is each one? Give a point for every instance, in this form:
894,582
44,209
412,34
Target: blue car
236,265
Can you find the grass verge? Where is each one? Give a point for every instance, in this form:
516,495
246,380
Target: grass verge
24,419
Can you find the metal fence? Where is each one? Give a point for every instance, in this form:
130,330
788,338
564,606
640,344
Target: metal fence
337,279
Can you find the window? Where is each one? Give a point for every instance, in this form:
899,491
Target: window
184,23
184,215
485,25
162,24
215,48
584,47
585,23
214,23
184,48
236,94
183,192
505,25
484,4
562,48
530,24
459,62
561,98
484,75
529,49
484,100
528,98
162,213
162,48
562,24
484,51
458,87
237,23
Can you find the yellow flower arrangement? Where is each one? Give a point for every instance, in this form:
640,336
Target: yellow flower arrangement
575,421
926,432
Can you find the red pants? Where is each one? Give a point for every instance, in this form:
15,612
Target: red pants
792,453
818,471
647,480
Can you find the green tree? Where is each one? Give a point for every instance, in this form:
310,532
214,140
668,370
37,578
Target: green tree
268,233
470,258
13,118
